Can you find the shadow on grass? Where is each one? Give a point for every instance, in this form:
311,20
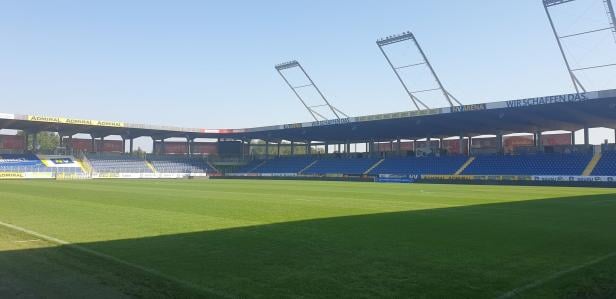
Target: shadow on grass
477,251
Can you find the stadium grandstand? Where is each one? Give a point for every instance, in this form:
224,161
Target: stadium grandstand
492,139
531,139
501,199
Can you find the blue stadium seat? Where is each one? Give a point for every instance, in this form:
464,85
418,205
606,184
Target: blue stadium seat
420,165
249,167
347,166
531,164
180,164
21,163
606,165
31,163
284,165
107,163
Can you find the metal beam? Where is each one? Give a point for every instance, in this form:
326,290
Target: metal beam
408,36
295,64
577,85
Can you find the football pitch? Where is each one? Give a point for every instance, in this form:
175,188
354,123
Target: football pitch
299,239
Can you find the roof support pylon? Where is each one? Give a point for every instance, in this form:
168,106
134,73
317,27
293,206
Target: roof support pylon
408,36
311,109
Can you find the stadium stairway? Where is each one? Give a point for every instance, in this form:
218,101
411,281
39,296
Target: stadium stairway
212,167
149,164
373,166
606,166
308,167
592,164
85,164
254,169
465,165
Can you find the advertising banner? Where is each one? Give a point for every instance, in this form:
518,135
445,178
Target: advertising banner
75,121
556,139
12,175
12,142
26,175
512,142
57,161
545,178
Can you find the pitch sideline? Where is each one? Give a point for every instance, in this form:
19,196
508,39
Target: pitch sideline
116,260
549,278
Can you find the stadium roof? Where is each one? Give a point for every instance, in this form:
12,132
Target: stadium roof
562,112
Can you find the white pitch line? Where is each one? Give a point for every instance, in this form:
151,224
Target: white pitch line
116,260
554,276
27,241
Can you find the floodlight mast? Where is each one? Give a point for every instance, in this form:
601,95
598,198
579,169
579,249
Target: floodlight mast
612,20
382,43
311,110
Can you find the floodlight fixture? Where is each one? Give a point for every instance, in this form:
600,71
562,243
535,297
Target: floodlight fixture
408,36
609,9
311,108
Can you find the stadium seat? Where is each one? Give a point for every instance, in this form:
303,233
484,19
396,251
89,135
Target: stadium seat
252,165
346,166
532,164
284,165
606,165
107,163
31,163
420,165
180,164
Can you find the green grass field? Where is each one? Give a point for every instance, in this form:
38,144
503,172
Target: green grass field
297,239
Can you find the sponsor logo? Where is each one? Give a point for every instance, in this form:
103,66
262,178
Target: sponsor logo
568,98
293,126
464,108
331,122
477,177
75,121
11,175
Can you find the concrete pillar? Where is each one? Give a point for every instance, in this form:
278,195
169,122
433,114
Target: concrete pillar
573,137
162,146
538,140
399,147
461,145
93,144
348,148
292,148
70,142
189,147
469,145
26,140
131,145
326,148
308,149
101,146
414,144
374,149
34,142
440,143
586,136
499,142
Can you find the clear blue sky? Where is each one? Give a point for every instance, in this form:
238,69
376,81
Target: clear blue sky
210,63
